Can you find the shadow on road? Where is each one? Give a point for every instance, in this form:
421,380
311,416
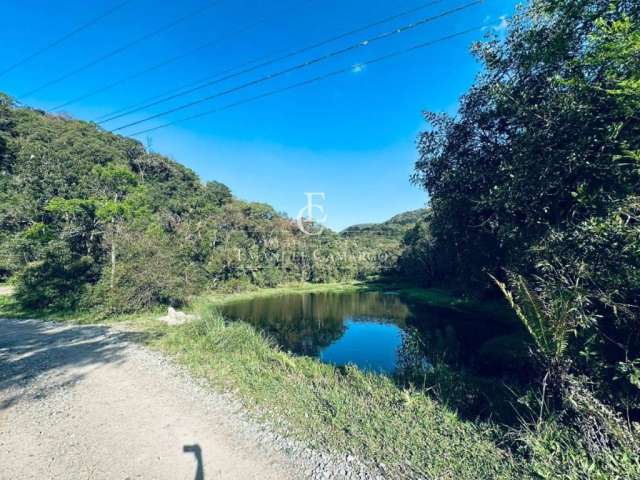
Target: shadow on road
197,452
30,349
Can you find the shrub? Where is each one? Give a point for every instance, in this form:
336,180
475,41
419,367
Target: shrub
149,271
55,281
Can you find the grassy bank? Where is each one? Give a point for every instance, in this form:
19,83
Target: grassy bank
341,409
344,410
219,298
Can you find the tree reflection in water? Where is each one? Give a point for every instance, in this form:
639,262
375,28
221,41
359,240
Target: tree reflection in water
310,323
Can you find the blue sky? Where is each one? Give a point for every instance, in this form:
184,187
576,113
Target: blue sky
351,136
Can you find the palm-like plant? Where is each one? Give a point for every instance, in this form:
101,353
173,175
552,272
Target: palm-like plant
550,322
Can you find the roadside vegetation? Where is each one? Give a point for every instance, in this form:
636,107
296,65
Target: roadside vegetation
344,410
534,217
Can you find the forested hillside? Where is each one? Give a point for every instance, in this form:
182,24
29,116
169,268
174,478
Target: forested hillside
392,229
386,238
92,219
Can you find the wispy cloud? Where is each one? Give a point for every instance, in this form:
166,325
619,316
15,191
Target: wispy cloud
502,25
358,67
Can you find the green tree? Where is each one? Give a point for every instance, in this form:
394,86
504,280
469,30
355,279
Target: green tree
114,183
538,175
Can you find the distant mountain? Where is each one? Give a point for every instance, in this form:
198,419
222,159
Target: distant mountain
392,229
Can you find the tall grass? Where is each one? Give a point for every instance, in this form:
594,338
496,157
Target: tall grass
344,410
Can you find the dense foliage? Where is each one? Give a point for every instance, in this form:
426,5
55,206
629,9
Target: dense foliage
535,193
90,219
384,240
537,182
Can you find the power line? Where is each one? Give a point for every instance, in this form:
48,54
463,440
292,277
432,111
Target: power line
313,80
307,63
116,113
124,47
173,59
217,79
263,63
65,37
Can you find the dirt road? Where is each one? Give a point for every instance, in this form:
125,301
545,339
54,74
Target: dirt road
87,403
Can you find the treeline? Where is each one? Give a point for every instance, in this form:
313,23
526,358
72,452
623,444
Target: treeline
92,220
535,190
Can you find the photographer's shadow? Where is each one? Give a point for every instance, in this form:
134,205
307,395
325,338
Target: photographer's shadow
197,451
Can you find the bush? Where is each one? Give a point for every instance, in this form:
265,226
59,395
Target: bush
55,281
149,271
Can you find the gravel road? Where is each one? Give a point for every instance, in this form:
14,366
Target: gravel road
89,403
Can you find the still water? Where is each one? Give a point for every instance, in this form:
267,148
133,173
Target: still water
375,331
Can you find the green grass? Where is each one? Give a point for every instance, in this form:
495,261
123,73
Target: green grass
220,298
343,410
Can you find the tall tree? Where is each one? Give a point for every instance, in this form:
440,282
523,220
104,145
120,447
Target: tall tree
539,174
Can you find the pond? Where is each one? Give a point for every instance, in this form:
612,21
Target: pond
376,331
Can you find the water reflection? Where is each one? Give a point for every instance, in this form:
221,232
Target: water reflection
308,323
373,330
371,345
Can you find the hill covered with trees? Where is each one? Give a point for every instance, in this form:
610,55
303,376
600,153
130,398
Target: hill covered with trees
92,219
386,239
393,229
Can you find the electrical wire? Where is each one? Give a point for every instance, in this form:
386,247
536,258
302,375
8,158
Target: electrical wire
114,114
313,80
307,63
122,48
262,62
175,58
65,37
